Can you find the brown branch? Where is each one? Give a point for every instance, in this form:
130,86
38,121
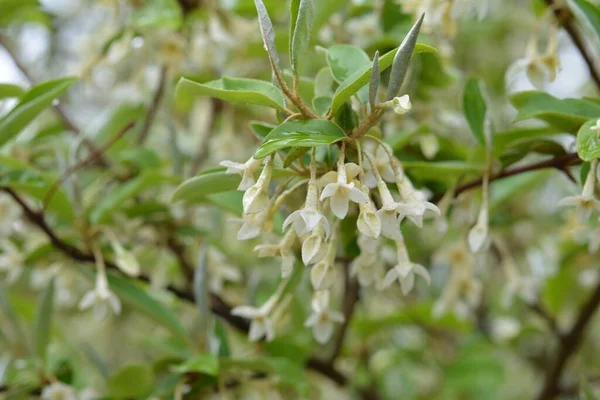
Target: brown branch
67,122
565,18
538,309
91,158
351,292
218,305
560,162
568,346
154,105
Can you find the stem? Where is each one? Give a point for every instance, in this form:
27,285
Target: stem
369,122
351,297
154,105
307,112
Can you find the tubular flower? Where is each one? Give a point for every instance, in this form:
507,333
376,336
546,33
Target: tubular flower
405,270
256,198
322,318
586,202
246,170
283,250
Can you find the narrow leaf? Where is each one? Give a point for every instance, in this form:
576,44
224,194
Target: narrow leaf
402,59
43,322
374,83
267,32
475,109
308,133
360,78
232,90
36,100
8,91
294,6
302,32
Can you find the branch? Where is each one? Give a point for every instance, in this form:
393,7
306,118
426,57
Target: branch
218,305
560,163
154,105
538,309
568,346
351,291
565,18
70,125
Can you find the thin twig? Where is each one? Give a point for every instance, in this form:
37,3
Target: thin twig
565,18
67,122
218,305
91,158
154,105
538,309
351,292
568,346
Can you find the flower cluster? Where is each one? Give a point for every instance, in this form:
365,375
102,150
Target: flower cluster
358,187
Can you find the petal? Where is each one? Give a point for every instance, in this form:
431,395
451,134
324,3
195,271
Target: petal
583,213
287,265
477,236
352,171
247,181
290,219
422,272
269,329
369,224
407,284
328,178
339,204
432,207
370,179
115,304
257,331
311,320
311,218
322,331
329,191
387,173
389,225
246,312
232,167
248,231
569,201
358,196
390,278
88,300
313,249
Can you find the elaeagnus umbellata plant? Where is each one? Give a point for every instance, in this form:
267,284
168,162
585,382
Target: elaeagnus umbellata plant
401,205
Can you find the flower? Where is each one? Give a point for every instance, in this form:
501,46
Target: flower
124,259
586,202
414,203
378,159
322,274
246,170
322,319
342,192
58,391
284,250
314,247
254,224
307,218
220,271
390,223
478,234
101,297
366,268
368,222
261,322
405,270
256,198
11,261
540,69
401,105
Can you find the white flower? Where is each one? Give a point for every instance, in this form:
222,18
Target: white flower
342,192
401,105
323,274
540,69
11,261
58,391
478,234
254,224
429,145
322,319
261,322
124,259
368,223
220,271
505,328
366,268
414,203
256,198
586,202
246,169
390,223
314,247
307,218
367,244
101,298
405,271
283,250
378,159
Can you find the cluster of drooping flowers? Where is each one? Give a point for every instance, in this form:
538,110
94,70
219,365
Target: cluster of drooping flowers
352,187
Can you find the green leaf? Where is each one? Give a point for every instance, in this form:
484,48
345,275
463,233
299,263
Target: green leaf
294,6
588,142
290,374
293,155
267,32
205,363
43,322
8,91
36,100
131,381
589,13
164,14
565,114
402,59
344,60
475,109
214,181
103,210
261,129
232,90
323,83
308,133
302,33
321,104
133,295
360,78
